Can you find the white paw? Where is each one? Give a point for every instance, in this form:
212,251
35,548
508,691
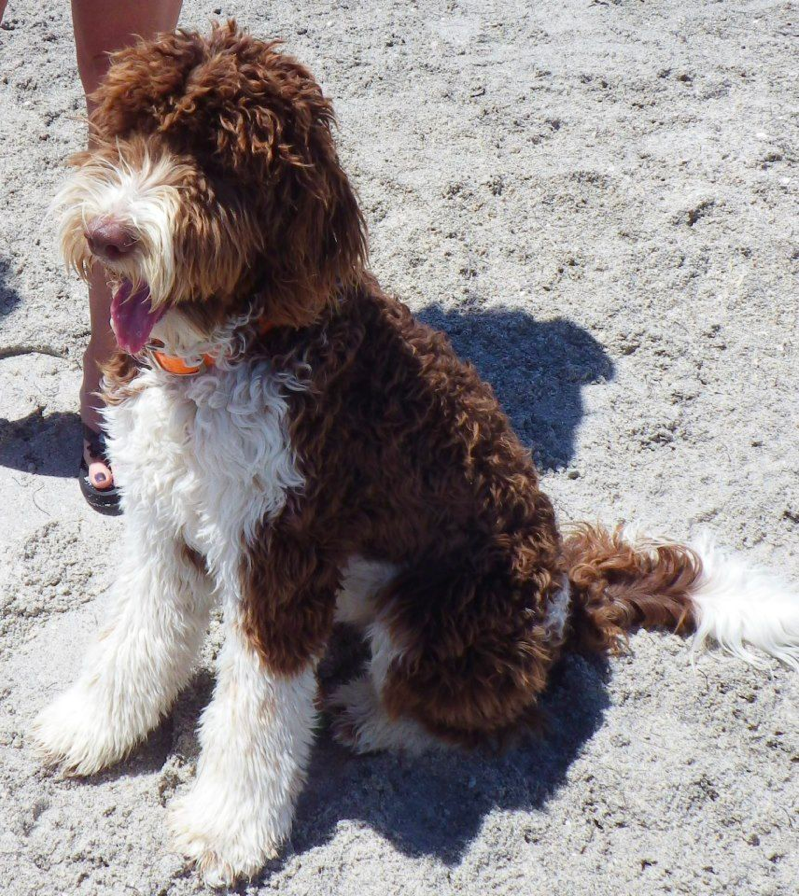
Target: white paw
80,734
225,833
361,723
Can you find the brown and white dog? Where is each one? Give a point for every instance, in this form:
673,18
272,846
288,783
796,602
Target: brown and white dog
290,442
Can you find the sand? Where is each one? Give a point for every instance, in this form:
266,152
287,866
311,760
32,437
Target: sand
597,200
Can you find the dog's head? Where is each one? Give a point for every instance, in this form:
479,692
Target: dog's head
213,187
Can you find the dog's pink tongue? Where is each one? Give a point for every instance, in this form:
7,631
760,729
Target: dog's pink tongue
132,317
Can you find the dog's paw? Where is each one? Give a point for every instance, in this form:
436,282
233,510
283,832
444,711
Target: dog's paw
361,723
78,734
224,834
356,715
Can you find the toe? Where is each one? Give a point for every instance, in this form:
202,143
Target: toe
100,474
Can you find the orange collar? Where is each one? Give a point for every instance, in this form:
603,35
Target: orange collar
178,367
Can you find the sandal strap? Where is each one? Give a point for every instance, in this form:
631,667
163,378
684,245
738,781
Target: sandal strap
96,443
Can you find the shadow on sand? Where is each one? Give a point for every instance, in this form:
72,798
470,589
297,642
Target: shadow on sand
435,805
47,444
537,369
42,443
9,298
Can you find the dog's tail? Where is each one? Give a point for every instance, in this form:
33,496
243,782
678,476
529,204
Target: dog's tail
621,580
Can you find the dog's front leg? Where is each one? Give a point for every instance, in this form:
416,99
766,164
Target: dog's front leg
141,658
256,734
255,738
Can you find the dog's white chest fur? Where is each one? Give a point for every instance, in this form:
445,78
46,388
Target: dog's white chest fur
209,457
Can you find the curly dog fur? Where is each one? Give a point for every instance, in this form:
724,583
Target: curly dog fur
334,460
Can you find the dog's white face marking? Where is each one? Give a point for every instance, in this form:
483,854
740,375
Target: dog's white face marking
182,338
143,199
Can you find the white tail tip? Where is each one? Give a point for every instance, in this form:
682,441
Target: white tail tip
740,606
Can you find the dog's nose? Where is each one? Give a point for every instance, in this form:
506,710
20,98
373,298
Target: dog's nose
108,239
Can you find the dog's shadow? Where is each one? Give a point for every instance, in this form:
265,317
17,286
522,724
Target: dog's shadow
47,444
434,805
428,806
537,369
9,297
43,442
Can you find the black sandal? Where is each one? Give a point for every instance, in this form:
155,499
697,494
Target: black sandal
103,500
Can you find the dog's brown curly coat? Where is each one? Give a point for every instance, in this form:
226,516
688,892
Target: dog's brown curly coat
406,454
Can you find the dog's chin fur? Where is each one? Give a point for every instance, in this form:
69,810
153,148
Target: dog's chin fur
345,458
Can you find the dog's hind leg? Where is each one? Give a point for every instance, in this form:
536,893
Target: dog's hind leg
361,581
459,657
360,719
140,660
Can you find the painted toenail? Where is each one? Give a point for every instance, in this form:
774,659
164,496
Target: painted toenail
100,477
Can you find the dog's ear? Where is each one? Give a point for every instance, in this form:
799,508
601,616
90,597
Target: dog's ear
318,233
244,109
227,98
143,84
